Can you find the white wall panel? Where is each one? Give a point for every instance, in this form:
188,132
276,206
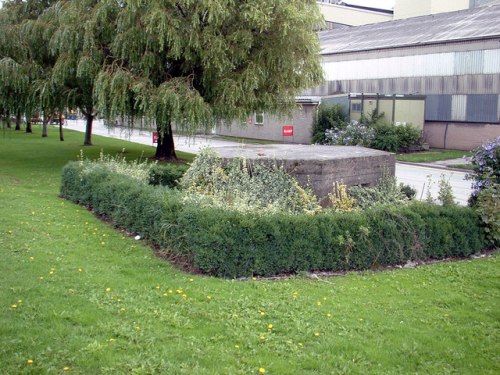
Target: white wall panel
458,107
492,61
391,67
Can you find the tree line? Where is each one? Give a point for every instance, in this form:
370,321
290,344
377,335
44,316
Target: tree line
179,64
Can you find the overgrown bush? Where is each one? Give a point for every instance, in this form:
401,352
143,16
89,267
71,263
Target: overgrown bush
486,167
243,185
328,117
386,192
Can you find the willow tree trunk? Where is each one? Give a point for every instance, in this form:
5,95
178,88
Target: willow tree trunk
28,126
61,133
88,128
8,120
165,148
19,120
45,121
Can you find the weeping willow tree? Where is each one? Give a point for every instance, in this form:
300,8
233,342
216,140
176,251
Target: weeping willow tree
81,44
195,63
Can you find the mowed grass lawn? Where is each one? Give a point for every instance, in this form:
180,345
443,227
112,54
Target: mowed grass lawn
77,296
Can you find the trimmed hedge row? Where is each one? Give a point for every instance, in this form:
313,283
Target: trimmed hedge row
231,244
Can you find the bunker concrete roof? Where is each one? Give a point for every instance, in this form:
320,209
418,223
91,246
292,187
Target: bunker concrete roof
471,24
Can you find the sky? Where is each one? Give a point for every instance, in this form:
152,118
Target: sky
383,4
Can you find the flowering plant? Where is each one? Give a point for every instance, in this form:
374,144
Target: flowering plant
486,166
354,134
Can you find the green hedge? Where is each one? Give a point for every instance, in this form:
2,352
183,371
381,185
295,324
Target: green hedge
232,244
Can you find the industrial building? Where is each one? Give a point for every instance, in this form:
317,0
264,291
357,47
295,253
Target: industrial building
453,59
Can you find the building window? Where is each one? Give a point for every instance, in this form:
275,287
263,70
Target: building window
356,107
258,118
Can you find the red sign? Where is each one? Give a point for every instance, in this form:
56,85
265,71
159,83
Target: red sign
155,137
288,131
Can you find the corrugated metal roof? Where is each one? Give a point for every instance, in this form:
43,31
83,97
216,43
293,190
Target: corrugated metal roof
468,24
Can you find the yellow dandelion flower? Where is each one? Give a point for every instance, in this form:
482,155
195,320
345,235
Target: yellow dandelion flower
108,289
80,270
270,327
209,297
19,301
32,258
316,334
66,369
30,361
329,315
254,278
157,287
191,280
41,277
263,338
103,243
184,296
318,303
14,306
170,291
237,346
300,344
165,294
262,370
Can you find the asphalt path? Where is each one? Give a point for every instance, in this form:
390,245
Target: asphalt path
418,176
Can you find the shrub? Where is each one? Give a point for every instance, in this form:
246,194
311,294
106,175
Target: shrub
167,174
385,138
408,191
486,167
408,136
328,117
445,194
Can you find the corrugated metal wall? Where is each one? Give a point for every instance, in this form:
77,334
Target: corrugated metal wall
482,108
438,108
468,108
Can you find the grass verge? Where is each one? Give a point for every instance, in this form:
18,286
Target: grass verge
81,297
434,154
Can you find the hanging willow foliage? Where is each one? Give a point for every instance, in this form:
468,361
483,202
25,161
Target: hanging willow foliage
196,62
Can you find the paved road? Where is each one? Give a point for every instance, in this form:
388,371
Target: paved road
414,175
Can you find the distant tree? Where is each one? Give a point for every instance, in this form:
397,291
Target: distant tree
24,58
194,63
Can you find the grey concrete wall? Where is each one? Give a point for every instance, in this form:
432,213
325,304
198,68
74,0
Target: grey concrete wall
272,128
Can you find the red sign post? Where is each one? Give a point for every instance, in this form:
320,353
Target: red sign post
288,131
155,137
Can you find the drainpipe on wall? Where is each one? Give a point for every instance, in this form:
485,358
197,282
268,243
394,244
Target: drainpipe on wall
445,134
